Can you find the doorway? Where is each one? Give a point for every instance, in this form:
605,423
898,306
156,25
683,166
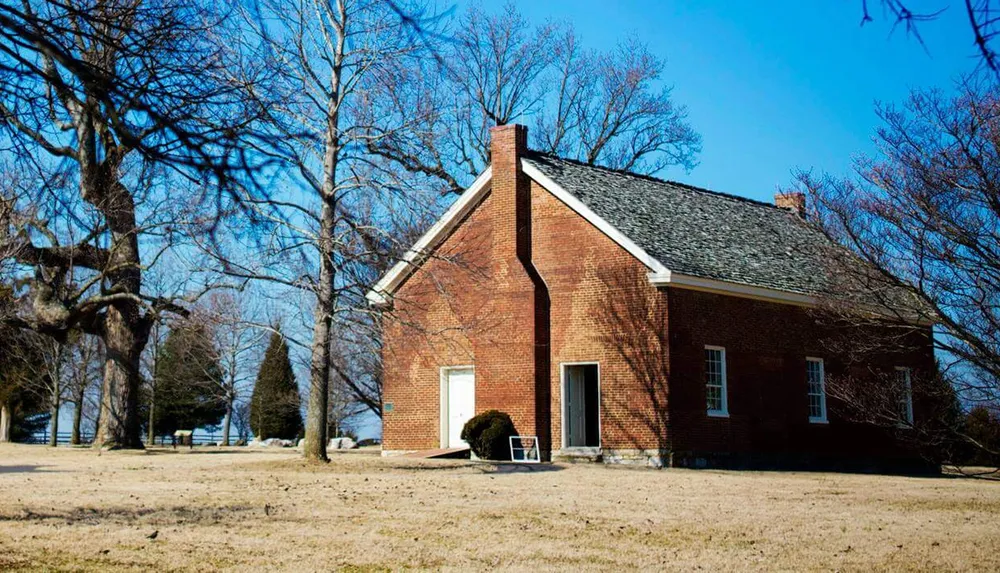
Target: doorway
581,395
458,404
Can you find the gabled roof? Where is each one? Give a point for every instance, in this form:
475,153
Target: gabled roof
686,236
697,232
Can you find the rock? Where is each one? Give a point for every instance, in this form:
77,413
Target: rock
271,443
341,444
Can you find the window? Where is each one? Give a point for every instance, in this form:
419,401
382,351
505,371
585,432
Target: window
905,390
715,381
817,390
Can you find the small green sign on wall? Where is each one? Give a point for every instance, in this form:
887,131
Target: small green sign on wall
387,407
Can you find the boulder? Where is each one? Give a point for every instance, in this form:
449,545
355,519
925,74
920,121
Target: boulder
271,443
341,444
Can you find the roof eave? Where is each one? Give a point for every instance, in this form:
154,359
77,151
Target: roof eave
382,292
692,282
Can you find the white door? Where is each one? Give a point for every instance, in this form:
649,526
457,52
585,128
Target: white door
576,407
461,404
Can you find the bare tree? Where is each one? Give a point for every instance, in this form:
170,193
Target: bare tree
238,340
983,17
241,420
327,56
85,360
54,381
608,109
147,363
919,227
124,101
344,409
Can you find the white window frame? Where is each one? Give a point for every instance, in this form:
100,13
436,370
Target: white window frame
908,396
822,418
724,411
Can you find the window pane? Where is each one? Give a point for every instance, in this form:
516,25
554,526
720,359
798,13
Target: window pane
905,393
816,391
715,382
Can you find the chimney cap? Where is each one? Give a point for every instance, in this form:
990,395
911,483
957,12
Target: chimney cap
793,201
510,139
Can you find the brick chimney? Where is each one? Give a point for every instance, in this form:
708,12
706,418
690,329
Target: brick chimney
510,192
512,361
794,202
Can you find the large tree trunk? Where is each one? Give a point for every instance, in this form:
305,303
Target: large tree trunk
125,330
319,368
123,339
317,413
54,421
74,438
6,421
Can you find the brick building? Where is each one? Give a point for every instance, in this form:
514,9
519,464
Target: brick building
619,316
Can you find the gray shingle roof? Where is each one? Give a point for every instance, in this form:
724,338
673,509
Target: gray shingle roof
696,231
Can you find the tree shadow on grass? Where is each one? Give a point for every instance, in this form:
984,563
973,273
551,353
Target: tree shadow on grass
519,468
486,467
24,469
146,515
197,451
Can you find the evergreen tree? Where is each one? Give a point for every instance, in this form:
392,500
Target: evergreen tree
187,381
274,407
22,412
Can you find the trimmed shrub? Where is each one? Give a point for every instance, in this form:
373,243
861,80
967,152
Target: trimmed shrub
488,434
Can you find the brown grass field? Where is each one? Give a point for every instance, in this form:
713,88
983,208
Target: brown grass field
211,509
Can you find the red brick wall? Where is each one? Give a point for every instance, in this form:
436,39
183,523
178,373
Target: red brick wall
478,301
602,310
519,295
766,348
437,313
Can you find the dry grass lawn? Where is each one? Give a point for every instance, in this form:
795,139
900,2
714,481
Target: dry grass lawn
250,510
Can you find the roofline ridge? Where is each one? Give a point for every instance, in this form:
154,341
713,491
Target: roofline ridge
534,152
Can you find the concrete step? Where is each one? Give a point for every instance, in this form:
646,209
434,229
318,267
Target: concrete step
578,455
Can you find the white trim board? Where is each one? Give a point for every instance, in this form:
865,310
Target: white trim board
659,275
593,218
692,282
415,255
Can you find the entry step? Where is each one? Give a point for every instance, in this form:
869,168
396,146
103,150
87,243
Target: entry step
579,455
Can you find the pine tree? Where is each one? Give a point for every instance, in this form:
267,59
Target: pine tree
187,380
22,412
274,406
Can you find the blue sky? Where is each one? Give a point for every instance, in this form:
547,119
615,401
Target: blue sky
777,85
771,86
